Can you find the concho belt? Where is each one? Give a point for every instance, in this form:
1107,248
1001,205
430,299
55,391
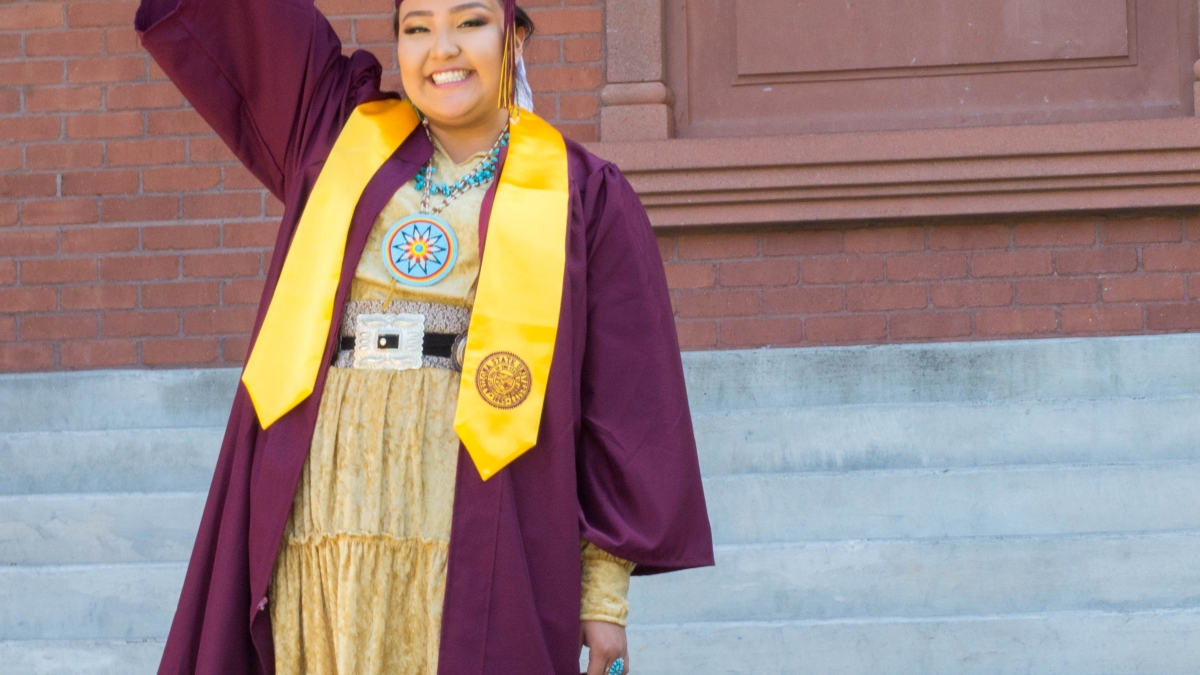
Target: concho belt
406,336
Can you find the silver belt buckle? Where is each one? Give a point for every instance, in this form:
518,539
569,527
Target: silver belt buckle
391,341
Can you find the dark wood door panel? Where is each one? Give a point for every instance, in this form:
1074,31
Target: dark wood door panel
765,67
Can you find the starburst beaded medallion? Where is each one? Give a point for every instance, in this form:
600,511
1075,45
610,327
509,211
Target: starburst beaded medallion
420,250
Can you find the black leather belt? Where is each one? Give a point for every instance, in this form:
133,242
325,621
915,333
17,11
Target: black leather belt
435,344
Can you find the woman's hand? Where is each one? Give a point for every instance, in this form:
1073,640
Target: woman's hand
606,643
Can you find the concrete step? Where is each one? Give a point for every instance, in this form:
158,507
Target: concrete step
1068,643
80,657
89,602
932,503
119,460
98,528
919,578
907,435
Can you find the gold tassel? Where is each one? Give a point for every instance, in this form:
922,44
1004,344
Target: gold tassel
508,73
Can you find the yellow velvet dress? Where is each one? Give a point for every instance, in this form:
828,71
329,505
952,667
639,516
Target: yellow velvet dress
358,584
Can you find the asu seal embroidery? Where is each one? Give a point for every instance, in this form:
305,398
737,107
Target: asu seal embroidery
503,380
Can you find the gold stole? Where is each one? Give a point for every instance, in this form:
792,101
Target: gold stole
514,323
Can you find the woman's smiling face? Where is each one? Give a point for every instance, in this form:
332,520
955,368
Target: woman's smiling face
450,54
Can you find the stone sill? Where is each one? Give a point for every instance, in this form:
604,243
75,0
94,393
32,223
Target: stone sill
879,176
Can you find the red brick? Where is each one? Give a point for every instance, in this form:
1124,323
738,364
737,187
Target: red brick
1142,288
842,270
223,205
134,153
105,125
1181,257
235,349
690,276
217,265
61,99
98,354
58,271
112,69
539,52
10,158
25,185
1011,264
39,128
545,104
237,177
181,237
181,294
843,329
696,334
718,246
218,321
250,235
8,329
24,358
102,296
143,96
106,13
747,333
58,327
1015,321
64,43
156,72
580,133
8,272
1174,317
564,78
374,30
760,273
972,294
59,212
583,49
140,209
14,300
803,300
1191,230
19,243
580,106
10,46
139,324
179,352
27,16
666,247
88,183
1144,231
802,242
23,73
926,267
1040,235
8,214
10,101
1057,291
968,237
1096,261
242,292
181,179
885,239
100,240
886,297
929,325
273,207
140,268
64,156
1102,319
122,41
177,123
567,21
716,304
209,150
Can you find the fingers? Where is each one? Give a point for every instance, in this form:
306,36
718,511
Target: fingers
596,663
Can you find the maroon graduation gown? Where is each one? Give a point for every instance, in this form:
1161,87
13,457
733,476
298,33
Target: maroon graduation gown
615,461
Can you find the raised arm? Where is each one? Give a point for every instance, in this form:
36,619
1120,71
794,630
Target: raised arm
268,75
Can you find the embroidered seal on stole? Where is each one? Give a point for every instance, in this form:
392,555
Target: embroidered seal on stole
503,380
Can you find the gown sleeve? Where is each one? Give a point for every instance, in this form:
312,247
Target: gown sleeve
267,75
638,476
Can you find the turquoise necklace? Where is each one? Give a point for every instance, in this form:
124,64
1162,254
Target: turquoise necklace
420,250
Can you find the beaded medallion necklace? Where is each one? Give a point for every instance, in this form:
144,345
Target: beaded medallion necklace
420,250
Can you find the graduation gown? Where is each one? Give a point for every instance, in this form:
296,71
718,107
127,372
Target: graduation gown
615,462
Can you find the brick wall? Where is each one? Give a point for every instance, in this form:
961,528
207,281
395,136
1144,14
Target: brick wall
129,236
799,287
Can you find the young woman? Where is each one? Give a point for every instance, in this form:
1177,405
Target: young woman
463,422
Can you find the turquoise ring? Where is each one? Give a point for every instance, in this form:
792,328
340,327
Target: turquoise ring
617,667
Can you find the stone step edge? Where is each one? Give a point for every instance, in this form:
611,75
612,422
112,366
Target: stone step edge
951,470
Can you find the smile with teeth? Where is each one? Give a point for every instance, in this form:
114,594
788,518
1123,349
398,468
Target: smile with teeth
449,76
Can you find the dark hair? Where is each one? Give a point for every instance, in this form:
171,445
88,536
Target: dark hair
521,18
